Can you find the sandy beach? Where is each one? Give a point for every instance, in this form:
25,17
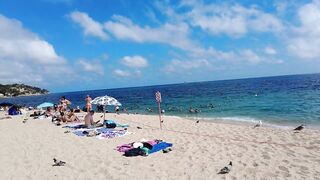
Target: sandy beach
200,150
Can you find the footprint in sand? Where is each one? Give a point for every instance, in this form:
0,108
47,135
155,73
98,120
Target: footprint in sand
266,157
285,161
282,168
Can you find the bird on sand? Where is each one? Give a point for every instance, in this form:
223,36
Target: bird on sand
258,124
299,128
58,162
226,169
197,121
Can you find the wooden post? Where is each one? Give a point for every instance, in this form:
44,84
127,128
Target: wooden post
158,98
159,108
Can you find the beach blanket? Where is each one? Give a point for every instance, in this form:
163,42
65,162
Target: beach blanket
82,132
126,147
75,126
103,133
110,133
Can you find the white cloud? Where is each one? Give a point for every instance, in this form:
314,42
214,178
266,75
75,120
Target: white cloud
137,73
212,53
91,66
134,61
104,56
304,41
175,35
250,56
121,73
90,26
17,43
184,65
232,20
281,6
270,51
26,58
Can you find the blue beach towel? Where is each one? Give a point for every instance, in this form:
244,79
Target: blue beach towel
117,124
82,132
75,126
104,130
160,146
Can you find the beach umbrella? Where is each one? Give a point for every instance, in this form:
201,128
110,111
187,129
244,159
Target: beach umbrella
5,104
45,105
106,101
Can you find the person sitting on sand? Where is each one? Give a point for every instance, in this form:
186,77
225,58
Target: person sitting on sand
88,120
72,116
77,110
100,108
65,118
62,117
117,109
49,112
88,103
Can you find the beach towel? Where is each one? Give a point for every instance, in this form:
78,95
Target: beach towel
160,146
75,126
103,133
110,133
82,132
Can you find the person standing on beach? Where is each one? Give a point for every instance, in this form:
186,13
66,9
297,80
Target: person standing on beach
88,103
64,103
117,109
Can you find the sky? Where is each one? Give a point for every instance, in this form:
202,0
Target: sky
73,45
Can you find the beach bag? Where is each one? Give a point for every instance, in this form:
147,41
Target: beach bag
13,111
110,124
135,152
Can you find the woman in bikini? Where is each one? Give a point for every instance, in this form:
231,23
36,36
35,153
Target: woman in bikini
88,103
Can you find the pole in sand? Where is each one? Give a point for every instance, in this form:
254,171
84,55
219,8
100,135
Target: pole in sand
158,98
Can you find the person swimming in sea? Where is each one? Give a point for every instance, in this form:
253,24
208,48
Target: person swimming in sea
191,110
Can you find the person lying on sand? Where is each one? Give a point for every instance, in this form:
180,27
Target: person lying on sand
88,120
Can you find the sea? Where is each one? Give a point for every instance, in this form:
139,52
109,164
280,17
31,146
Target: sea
280,101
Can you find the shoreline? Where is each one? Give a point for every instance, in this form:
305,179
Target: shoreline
233,121
24,95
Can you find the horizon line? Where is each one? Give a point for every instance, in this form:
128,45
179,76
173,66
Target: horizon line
187,82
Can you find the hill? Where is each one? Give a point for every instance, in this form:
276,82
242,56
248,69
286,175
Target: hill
10,90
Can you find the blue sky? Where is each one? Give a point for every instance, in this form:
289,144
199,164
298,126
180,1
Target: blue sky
69,45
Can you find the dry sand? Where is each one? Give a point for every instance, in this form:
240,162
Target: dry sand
200,150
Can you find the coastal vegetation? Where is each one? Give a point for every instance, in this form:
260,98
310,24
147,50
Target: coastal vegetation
10,90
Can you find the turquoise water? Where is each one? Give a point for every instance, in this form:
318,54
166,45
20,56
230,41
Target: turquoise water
281,100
